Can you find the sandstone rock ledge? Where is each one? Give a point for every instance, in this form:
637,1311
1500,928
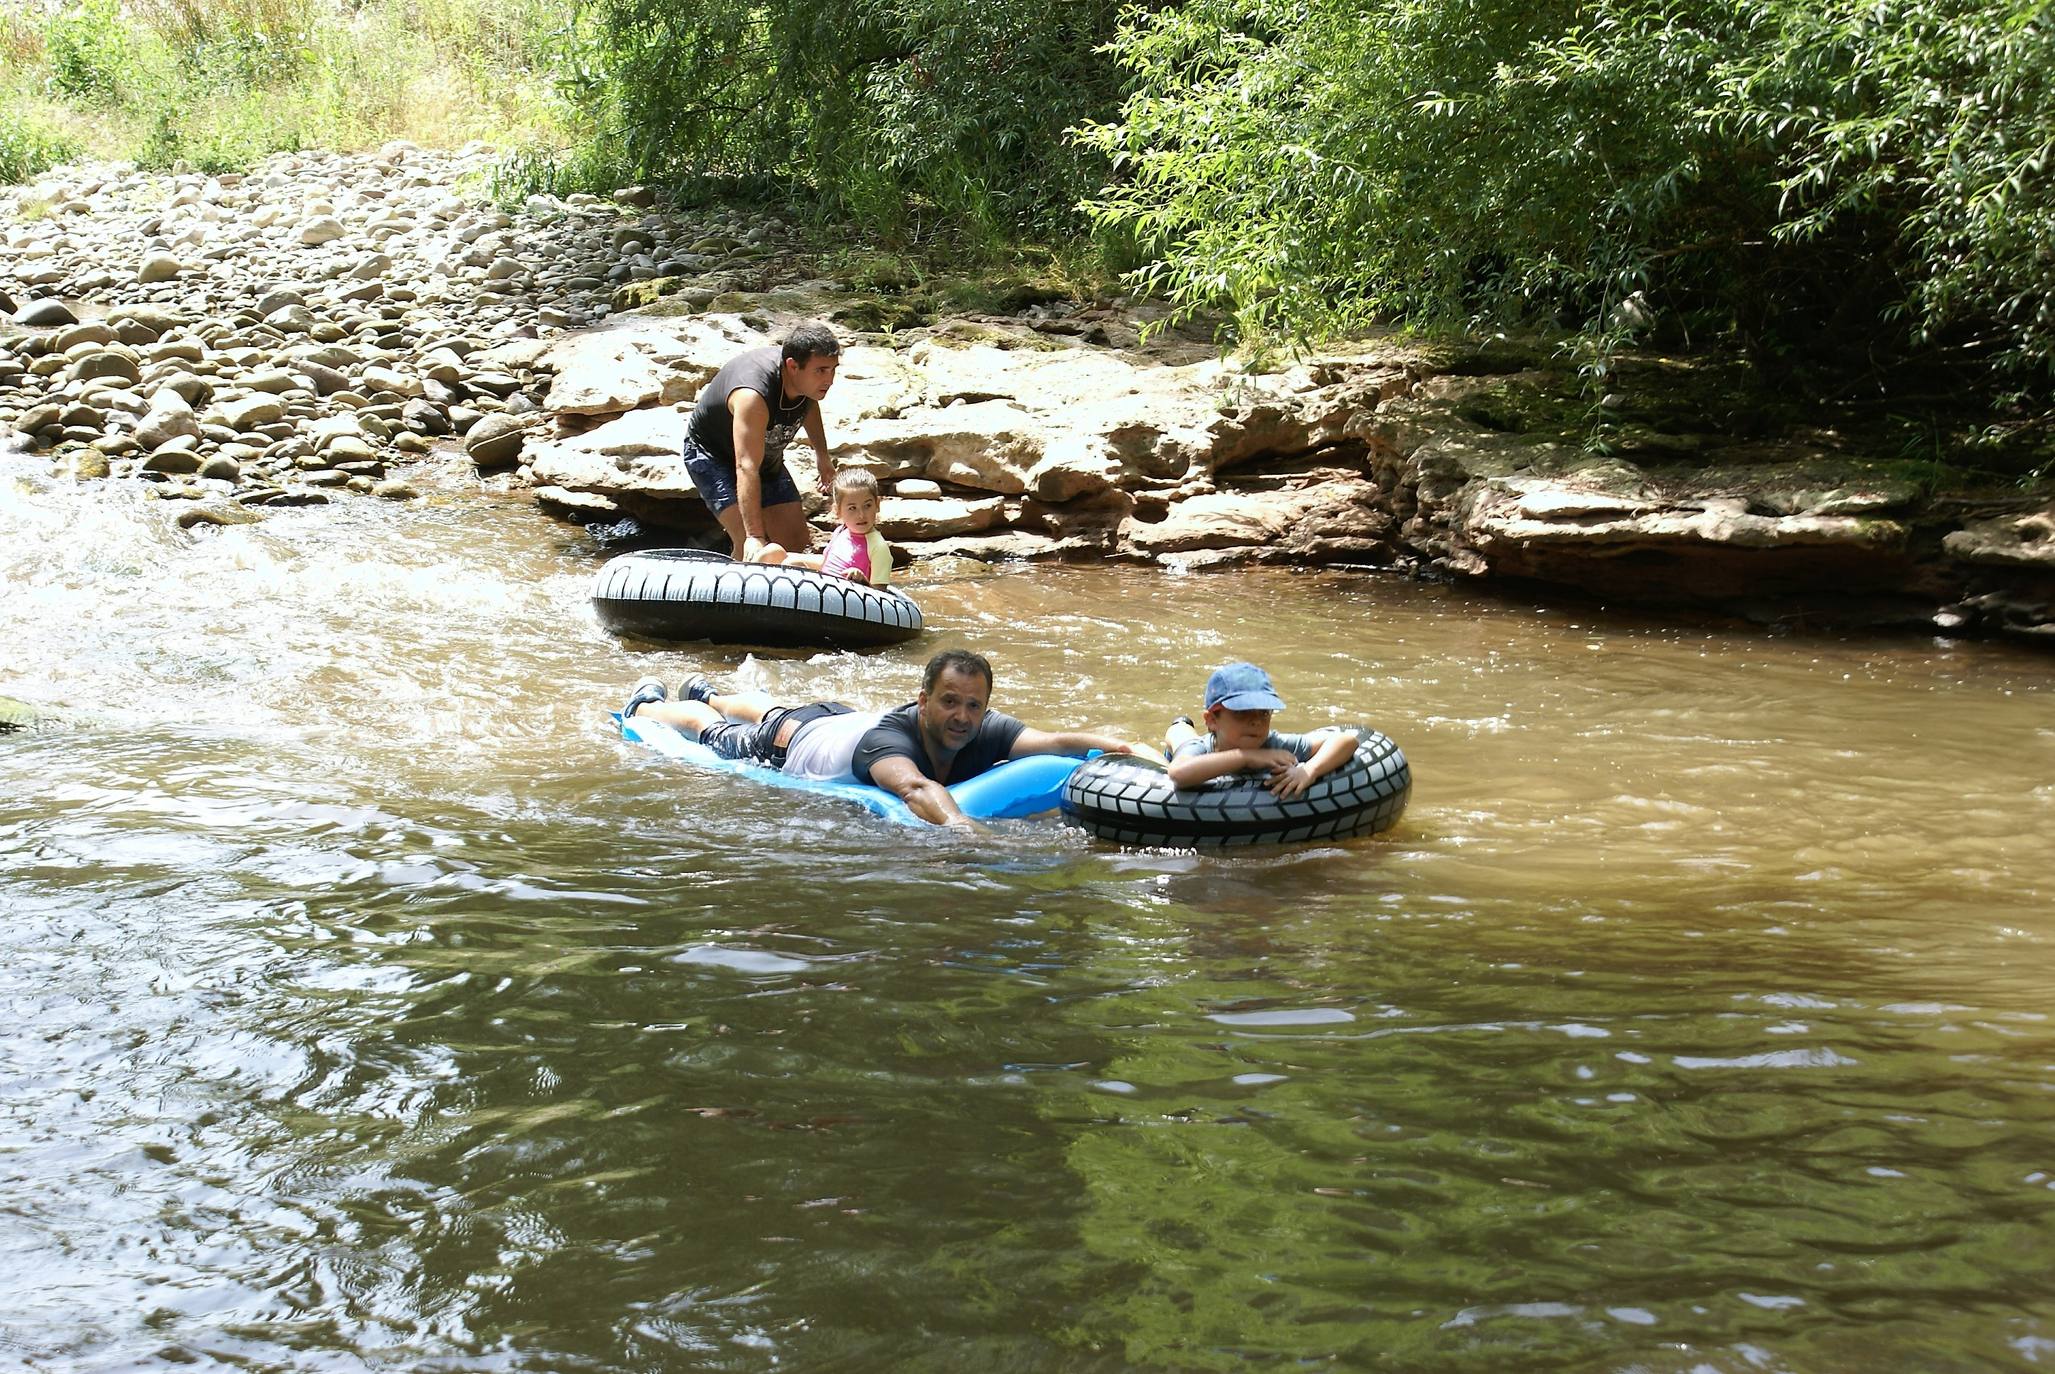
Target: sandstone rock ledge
997,440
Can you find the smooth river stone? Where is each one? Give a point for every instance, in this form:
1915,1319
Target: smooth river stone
153,317
348,448
100,365
173,460
45,312
495,441
64,340
216,514
251,411
272,382
387,379
38,418
169,417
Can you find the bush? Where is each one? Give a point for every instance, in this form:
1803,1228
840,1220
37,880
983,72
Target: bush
1861,180
916,119
89,52
27,150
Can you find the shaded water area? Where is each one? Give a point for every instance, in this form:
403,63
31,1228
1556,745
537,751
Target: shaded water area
369,1004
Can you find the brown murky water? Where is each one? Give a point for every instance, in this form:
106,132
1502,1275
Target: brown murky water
369,1004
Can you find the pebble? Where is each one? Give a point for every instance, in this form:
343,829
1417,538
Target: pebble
349,309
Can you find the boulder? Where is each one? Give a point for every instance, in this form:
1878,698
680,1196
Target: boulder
108,364
169,417
173,459
216,513
64,340
273,381
44,312
937,517
250,412
496,441
1324,520
327,380
602,377
155,318
37,418
578,507
636,455
1667,547
392,380
1004,546
2015,541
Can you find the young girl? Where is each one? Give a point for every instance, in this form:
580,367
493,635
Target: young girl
856,551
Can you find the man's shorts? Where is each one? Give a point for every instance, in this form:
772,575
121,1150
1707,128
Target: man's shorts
736,740
716,480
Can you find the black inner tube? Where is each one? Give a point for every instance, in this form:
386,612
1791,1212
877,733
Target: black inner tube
1131,801
691,594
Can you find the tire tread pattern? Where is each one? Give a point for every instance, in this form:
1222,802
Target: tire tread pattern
1130,801
688,594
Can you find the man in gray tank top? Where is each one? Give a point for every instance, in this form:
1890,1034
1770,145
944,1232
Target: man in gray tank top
735,440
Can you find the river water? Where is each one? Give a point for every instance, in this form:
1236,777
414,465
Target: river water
369,1004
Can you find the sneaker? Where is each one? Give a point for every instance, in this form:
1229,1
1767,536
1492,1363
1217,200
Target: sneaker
646,691
696,688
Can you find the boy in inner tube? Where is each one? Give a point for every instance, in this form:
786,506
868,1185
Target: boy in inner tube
1239,704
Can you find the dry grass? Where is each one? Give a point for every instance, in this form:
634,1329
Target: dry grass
221,83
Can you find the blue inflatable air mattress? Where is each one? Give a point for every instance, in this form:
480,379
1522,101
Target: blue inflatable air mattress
1019,787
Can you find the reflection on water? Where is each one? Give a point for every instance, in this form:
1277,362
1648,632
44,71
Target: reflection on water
370,1003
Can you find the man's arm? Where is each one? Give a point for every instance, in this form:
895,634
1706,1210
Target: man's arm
752,416
923,796
1033,741
817,435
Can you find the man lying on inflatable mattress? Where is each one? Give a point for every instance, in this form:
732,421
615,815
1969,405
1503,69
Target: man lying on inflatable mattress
944,736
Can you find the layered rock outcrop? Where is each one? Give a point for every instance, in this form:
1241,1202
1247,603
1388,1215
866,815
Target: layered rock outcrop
996,440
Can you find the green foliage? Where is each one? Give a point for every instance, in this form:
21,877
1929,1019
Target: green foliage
27,149
1862,178
234,44
89,52
918,119
532,169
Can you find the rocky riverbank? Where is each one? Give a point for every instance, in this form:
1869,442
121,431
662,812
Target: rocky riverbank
325,323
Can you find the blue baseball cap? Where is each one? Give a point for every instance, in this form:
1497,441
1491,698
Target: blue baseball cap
1242,687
